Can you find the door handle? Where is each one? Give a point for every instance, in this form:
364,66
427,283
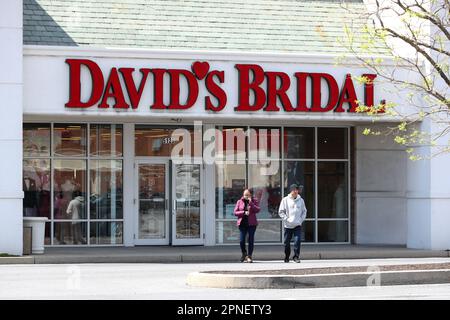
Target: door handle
174,207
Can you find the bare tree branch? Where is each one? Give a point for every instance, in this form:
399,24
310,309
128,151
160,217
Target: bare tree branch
424,27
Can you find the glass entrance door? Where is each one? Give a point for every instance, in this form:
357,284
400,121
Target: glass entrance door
152,225
187,227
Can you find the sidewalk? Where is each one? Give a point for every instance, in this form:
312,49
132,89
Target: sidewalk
200,254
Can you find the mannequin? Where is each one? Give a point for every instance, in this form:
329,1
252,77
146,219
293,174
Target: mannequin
30,197
74,210
68,186
60,207
43,186
62,197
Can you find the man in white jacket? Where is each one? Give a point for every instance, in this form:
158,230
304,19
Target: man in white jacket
293,212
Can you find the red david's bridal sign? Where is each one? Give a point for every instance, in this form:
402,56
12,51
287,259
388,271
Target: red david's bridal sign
257,89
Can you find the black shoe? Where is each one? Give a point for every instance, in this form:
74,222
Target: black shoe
286,259
243,257
296,259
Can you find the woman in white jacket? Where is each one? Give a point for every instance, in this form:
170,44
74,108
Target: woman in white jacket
293,212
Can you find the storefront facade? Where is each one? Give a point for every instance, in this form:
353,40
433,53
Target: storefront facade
161,213
122,160
154,147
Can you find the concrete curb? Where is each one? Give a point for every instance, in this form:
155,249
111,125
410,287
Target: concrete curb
17,260
90,255
224,257
106,259
361,254
357,279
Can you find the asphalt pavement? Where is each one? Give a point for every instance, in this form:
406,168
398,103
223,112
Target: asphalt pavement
168,281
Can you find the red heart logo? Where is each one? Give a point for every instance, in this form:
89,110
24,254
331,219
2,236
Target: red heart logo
200,69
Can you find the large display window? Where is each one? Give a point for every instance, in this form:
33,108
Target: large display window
72,174
275,158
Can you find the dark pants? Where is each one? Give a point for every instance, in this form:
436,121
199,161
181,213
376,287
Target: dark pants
251,238
288,233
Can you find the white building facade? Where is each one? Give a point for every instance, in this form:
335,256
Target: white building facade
96,128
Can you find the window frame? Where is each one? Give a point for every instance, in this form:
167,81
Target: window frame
87,158
316,161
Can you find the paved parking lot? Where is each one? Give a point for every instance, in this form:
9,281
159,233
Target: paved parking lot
167,281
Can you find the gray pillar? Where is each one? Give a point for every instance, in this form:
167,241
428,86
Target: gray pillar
381,216
428,198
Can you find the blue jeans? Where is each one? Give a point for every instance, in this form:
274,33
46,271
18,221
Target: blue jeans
288,233
251,238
